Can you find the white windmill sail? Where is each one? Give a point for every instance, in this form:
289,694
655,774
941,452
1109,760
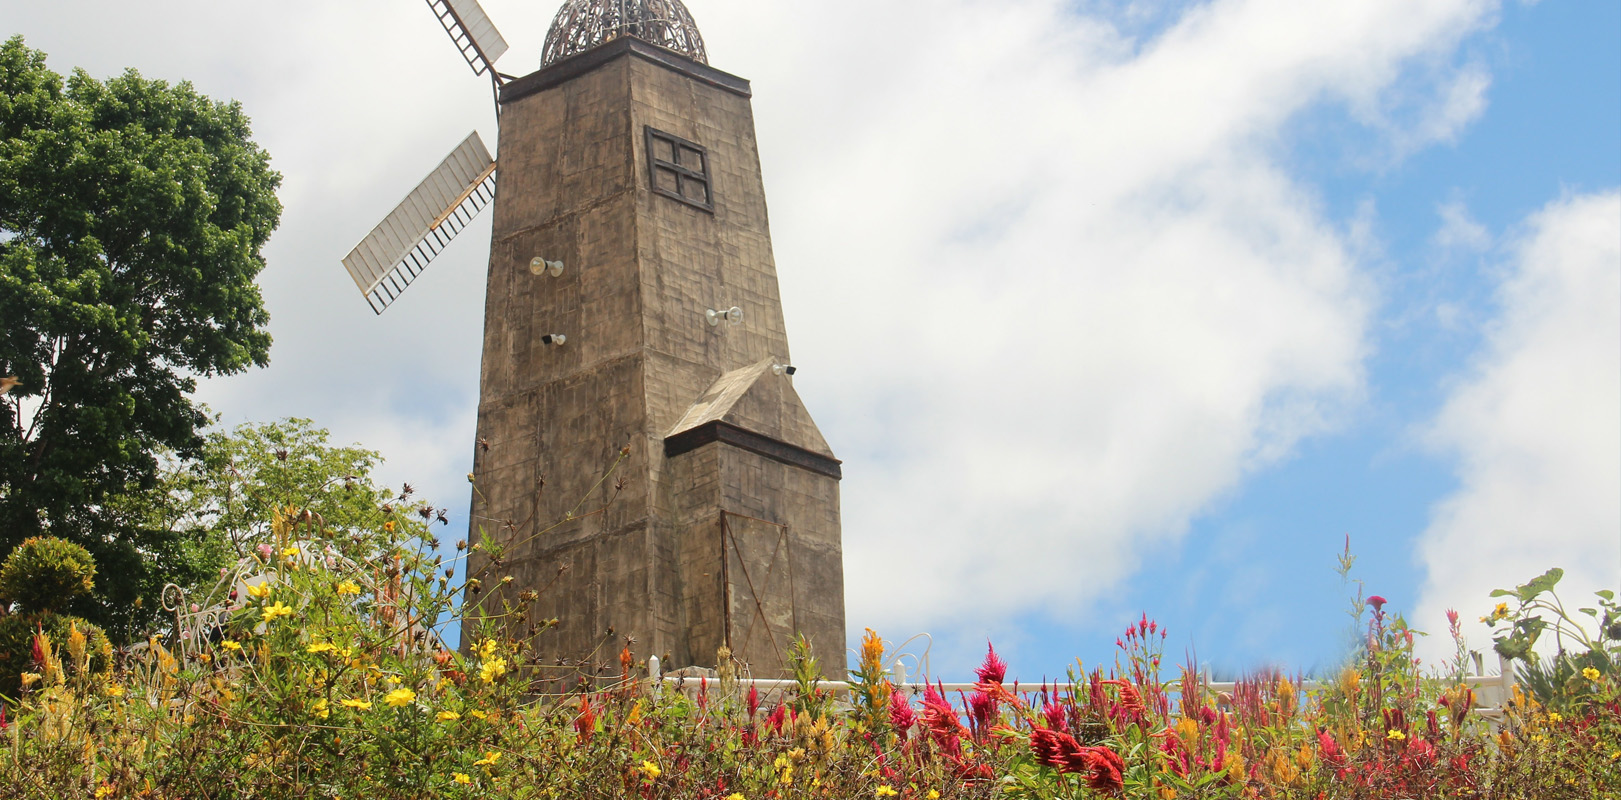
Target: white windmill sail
472,32
424,223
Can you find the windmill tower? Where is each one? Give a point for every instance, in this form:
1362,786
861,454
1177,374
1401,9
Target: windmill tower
632,307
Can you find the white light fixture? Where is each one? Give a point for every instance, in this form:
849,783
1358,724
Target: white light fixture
540,266
733,315
784,369
557,339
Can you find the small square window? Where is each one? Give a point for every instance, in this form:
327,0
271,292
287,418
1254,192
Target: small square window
679,169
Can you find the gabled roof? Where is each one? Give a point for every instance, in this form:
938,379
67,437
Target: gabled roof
760,401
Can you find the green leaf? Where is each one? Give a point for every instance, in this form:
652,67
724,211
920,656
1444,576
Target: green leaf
1605,594
1504,593
1541,584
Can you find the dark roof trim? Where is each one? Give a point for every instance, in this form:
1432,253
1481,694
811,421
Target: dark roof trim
575,66
727,433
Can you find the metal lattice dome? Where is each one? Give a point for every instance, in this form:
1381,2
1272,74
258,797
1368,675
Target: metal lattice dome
583,24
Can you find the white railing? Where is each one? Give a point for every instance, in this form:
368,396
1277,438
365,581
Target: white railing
1491,691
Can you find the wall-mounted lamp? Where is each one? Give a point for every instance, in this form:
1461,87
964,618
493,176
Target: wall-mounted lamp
733,315
784,369
557,339
540,266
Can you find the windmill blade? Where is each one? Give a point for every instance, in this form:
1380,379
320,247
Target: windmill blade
424,223
472,32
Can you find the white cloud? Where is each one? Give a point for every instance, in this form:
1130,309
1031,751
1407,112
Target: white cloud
1535,427
1050,288
1459,230
1103,302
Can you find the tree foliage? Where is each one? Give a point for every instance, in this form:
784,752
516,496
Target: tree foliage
132,218
45,574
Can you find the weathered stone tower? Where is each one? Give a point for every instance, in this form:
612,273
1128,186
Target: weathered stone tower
631,161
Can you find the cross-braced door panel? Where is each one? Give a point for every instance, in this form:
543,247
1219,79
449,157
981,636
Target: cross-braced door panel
762,618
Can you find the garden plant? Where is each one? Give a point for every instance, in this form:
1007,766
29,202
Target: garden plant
325,676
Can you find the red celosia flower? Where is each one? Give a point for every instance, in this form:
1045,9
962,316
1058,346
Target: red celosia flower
900,713
941,719
1057,749
39,648
586,723
1131,701
778,714
994,669
754,701
1107,770
1377,602
1330,749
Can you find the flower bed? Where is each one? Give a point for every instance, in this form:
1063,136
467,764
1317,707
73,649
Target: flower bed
327,681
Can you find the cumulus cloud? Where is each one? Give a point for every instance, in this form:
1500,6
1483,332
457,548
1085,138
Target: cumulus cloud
1534,427
1081,299
1051,289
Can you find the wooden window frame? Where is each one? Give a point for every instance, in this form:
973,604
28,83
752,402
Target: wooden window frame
685,176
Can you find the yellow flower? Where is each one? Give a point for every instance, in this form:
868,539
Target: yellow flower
104,790
276,611
231,646
1553,716
462,778
259,591
1396,736
29,679
320,647
489,759
492,669
389,526
320,710
363,705
401,697
476,714
1592,675
115,691
934,794
348,587
736,796
487,648
650,769
289,552
885,791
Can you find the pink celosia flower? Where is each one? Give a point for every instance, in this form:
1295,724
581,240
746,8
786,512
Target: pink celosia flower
994,669
754,701
900,713
984,710
1377,602
1054,714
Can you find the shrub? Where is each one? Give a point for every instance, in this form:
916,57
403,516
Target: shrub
17,632
45,574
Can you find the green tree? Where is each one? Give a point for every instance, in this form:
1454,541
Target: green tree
132,218
228,498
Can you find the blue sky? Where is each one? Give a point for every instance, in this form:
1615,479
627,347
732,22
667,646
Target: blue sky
1552,127
1207,288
